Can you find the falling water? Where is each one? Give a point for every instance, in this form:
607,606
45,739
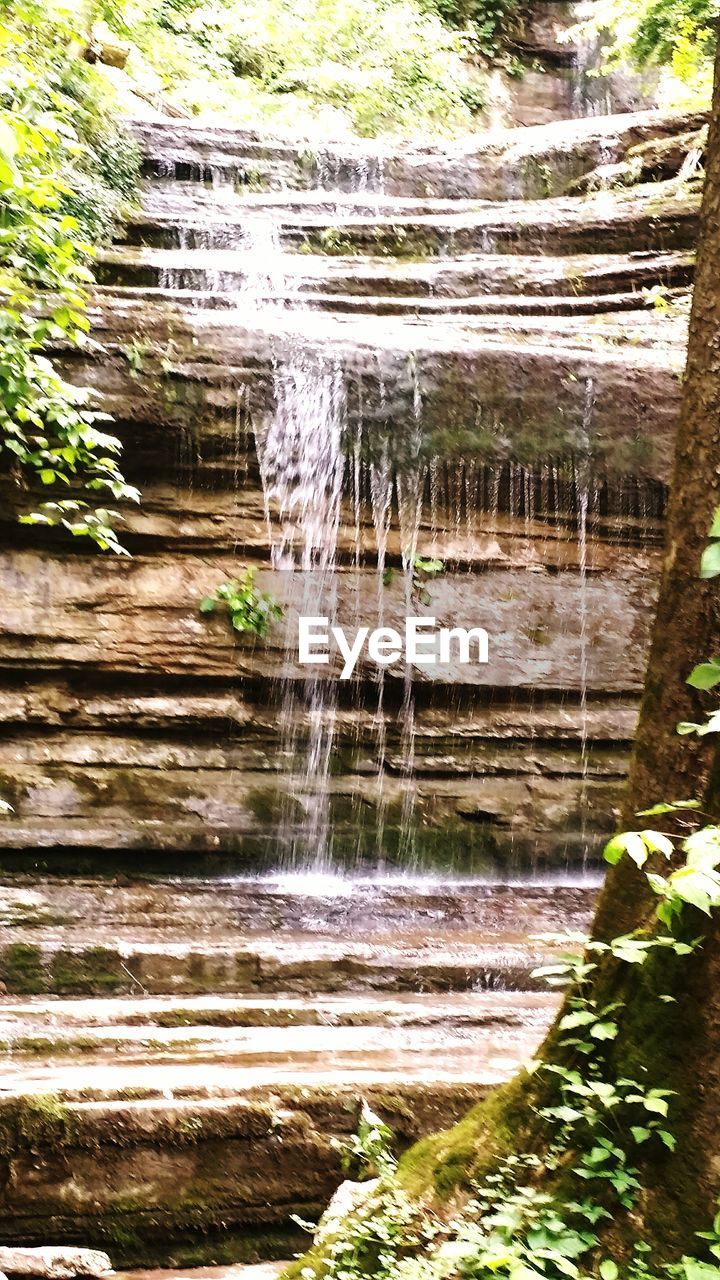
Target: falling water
381,491
583,499
410,486
301,459
265,266
299,448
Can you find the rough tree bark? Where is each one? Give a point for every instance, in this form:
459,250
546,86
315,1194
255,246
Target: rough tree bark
666,766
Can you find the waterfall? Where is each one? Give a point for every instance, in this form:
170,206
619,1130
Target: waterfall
346,335
265,267
300,455
410,486
301,458
583,500
301,465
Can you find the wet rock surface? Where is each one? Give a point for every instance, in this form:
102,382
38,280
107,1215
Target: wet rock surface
166,1131
196,996
567,358
183,1124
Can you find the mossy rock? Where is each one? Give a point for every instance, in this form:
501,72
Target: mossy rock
22,969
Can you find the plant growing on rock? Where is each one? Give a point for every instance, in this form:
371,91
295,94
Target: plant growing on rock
248,608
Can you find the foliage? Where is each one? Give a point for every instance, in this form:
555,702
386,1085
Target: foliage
494,23
313,66
675,37
424,569
420,571
664,27
44,77
48,431
370,1145
248,608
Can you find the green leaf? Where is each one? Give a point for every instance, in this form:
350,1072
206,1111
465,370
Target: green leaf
582,1018
673,807
706,675
658,1106
608,1269
639,1133
614,850
699,1270
604,1031
47,476
657,842
710,562
568,1115
636,848
696,888
207,604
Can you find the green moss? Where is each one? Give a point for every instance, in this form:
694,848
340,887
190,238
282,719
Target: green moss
44,1046
34,1121
454,1158
22,969
93,971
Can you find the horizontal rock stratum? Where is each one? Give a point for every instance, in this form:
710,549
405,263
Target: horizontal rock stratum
511,351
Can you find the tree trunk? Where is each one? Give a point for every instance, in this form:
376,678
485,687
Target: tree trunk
678,1044
666,766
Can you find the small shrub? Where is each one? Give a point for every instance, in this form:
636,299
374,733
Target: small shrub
248,608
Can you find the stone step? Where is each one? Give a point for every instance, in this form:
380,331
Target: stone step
76,966
206,1176
108,1016
482,305
231,1045
648,217
174,1130
249,333
448,307
496,280
505,163
231,343
327,1059
323,935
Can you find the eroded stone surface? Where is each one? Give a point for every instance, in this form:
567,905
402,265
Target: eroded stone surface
508,358
49,1263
